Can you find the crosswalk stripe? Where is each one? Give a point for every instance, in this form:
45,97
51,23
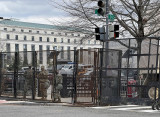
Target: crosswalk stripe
149,111
132,108
136,108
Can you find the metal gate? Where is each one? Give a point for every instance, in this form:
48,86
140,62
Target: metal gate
85,76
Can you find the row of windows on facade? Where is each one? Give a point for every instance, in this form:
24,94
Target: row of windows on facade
8,48
48,39
45,32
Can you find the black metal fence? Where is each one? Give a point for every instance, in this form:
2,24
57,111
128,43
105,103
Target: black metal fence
139,69
127,73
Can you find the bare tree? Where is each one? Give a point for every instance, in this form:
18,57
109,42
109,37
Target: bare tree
140,18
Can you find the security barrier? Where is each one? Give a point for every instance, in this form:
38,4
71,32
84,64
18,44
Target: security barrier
90,76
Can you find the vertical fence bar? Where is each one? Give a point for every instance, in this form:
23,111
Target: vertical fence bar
0,73
15,73
159,73
128,66
74,91
100,75
95,77
156,67
34,54
119,71
55,56
149,55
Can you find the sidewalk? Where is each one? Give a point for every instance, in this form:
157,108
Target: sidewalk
18,101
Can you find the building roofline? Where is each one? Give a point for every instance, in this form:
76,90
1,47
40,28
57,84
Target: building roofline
11,22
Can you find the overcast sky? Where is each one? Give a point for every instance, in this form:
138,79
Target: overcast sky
37,11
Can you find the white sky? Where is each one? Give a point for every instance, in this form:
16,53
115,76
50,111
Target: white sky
36,11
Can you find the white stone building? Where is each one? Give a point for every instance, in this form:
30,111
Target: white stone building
25,36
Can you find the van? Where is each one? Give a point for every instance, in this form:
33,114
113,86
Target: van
67,69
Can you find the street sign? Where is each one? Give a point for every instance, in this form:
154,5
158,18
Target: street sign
111,17
96,11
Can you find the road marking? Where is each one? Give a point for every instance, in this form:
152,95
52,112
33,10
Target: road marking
149,111
132,108
136,108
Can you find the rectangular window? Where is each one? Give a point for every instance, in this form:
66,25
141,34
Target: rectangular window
32,47
22,30
8,49
62,52
72,34
52,33
40,38
32,38
24,47
47,39
40,48
68,53
48,53
16,47
65,34
33,54
54,47
8,36
13,29
40,54
25,38
78,35
25,61
68,40
61,40
37,32
5,29
75,48
94,41
30,31
55,39
16,37
48,47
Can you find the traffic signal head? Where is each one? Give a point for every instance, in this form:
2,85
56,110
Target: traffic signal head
100,30
113,31
102,7
100,33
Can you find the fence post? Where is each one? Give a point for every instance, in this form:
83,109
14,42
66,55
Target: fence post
0,73
74,91
34,54
15,74
55,54
100,76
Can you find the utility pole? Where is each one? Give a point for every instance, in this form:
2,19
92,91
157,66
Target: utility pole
107,12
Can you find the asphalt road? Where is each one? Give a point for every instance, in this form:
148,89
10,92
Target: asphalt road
67,111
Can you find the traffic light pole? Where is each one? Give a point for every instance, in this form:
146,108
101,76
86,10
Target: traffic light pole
107,11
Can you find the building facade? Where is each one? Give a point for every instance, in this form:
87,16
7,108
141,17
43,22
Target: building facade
16,36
